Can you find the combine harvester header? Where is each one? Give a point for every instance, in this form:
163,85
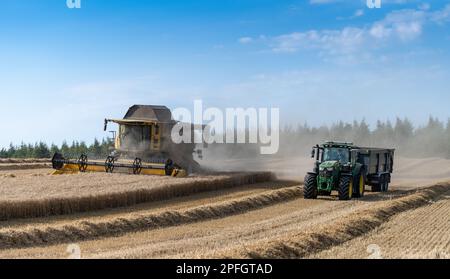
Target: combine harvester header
82,164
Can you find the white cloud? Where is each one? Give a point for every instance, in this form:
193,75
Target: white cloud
356,14
342,41
359,13
379,31
397,27
362,44
245,40
441,16
409,31
405,25
424,6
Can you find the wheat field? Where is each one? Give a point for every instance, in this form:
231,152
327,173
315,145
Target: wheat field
227,215
67,194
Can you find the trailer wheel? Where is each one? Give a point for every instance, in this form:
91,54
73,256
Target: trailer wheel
345,190
379,186
382,185
310,187
360,186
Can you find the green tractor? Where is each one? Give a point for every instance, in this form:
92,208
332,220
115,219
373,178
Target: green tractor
347,169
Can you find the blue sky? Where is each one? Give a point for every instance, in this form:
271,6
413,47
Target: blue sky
63,70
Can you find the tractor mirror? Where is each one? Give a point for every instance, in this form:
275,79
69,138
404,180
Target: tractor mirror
313,153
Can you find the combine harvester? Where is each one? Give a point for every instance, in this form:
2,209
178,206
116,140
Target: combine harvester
143,145
346,168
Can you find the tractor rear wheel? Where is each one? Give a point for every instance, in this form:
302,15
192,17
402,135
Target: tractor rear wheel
310,187
360,186
345,190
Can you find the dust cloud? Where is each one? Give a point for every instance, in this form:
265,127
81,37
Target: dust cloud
422,153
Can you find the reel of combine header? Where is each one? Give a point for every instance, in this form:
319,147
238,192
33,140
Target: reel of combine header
109,164
82,163
138,167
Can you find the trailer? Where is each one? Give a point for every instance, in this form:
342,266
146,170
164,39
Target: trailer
378,166
347,169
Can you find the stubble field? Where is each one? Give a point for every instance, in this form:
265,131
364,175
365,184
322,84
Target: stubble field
238,214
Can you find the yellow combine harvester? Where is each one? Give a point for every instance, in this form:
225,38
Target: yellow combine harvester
142,145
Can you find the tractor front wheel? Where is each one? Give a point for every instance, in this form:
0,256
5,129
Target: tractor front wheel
345,190
310,187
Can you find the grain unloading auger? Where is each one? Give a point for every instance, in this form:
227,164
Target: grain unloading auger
82,164
142,145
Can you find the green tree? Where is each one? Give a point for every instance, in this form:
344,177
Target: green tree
11,151
82,148
65,149
106,144
41,150
54,149
96,149
361,133
74,148
3,153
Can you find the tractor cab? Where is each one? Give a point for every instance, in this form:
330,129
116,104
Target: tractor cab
343,153
340,154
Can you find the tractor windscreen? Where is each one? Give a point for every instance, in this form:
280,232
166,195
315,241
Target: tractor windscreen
336,154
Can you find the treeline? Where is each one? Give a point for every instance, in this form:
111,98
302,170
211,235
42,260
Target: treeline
41,150
431,140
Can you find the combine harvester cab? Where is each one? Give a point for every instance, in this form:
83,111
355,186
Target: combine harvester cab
347,169
142,145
